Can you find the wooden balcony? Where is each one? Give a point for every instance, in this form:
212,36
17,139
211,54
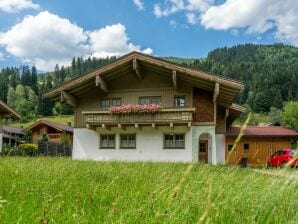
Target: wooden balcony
163,116
54,138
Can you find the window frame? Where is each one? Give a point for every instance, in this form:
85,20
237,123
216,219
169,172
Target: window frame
110,100
127,136
245,149
230,147
107,135
177,97
150,99
174,141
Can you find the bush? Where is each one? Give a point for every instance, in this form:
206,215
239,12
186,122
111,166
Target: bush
28,149
21,150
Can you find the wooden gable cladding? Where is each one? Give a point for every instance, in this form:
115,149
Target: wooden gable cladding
136,62
203,102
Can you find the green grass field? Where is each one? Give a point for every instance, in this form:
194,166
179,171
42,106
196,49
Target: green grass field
59,190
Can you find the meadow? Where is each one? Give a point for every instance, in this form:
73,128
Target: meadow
59,190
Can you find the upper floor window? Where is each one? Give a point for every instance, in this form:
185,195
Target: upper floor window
179,101
230,147
246,147
107,103
149,100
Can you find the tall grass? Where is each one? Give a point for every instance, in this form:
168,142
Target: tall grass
58,190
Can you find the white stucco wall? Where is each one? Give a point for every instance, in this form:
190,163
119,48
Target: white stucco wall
1,142
149,145
198,131
220,148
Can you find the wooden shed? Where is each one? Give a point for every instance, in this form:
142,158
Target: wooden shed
54,131
257,143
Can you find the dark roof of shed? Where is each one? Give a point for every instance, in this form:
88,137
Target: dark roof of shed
263,131
13,130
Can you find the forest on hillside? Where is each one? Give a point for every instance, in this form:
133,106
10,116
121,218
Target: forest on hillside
270,74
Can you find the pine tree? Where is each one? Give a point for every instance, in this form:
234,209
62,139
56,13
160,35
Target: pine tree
34,81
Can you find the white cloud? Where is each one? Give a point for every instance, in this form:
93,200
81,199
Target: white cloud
173,6
256,16
236,16
14,6
47,39
139,4
1,55
112,40
191,18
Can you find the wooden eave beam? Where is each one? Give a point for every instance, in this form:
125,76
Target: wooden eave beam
136,67
227,113
68,98
99,81
216,92
174,79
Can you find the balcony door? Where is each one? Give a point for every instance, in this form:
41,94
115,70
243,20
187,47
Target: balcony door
203,151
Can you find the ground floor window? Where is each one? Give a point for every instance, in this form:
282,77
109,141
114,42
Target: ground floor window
174,141
107,141
128,141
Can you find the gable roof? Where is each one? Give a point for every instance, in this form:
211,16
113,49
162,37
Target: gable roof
54,125
263,131
228,88
8,112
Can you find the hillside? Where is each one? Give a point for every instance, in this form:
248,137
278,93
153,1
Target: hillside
270,73
60,190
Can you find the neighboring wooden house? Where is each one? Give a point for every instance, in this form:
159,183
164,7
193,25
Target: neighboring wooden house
257,143
197,108
5,113
55,132
12,136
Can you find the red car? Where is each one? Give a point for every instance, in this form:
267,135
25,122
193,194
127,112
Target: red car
284,157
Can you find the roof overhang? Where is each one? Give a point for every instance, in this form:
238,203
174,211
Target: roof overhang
7,112
228,88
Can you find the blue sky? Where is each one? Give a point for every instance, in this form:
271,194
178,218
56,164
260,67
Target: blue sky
49,32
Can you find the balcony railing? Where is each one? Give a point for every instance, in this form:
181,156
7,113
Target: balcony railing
165,115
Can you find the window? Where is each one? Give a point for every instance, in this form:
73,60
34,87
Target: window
107,103
149,100
107,141
174,141
155,100
203,147
179,101
230,147
116,102
42,131
128,141
246,147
